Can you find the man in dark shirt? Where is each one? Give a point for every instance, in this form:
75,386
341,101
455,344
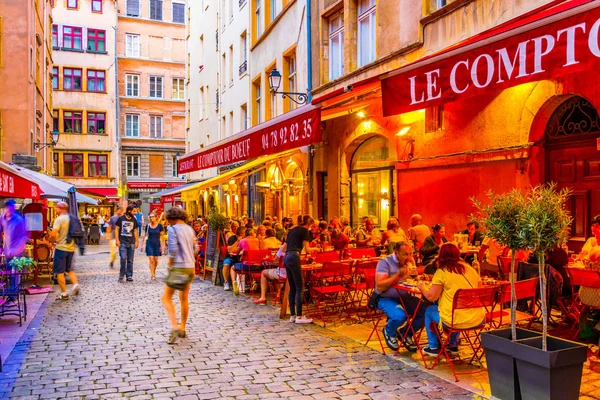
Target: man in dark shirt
110,234
127,240
233,250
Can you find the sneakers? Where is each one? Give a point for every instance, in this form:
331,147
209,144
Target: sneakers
292,319
303,320
391,342
121,279
260,301
62,297
130,279
227,287
431,352
409,344
453,350
76,289
236,288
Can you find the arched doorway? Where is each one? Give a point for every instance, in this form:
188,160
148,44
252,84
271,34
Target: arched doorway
372,182
573,161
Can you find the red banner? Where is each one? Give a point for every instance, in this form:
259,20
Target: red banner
295,129
153,185
564,43
14,186
167,199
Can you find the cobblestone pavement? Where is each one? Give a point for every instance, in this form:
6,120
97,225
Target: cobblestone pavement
110,342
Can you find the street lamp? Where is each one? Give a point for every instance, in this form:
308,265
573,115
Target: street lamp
38,145
275,82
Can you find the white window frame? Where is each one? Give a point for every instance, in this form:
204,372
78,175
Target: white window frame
292,78
162,10
132,49
369,15
257,102
156,89
174,173
244,115
139,13
134,81
180,92
258,17
173,12
129,125
335,71
130,160
155,127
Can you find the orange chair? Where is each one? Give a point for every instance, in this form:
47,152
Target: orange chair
329,289
504,267
583,278
466,299
526,289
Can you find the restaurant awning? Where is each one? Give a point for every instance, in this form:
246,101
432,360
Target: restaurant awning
171,191
193,192
15,186
291,130
546,43
110,192
52,188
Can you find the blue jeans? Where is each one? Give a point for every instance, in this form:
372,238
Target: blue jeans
126,252
293,268
397,316
433,315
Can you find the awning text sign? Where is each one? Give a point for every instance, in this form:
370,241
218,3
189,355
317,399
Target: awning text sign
562,47
14,186
280,134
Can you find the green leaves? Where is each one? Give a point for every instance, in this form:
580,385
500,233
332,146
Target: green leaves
216,220
22,264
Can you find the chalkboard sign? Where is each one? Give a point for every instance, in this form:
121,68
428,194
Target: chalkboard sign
213,254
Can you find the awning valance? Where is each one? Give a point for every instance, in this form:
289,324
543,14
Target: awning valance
172,191
291,130
100,191
15,186
548,43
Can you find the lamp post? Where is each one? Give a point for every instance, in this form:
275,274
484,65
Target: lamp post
38,145
275,82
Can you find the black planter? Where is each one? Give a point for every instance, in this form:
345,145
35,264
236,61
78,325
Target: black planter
554,374
500,353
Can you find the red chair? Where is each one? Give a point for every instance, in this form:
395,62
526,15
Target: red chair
329,290
362,285
327,256
526,289
504,267
466,299
361,252
252,265
200,260
583,278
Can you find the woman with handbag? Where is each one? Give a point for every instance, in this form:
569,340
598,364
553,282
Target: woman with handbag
182,245
153,243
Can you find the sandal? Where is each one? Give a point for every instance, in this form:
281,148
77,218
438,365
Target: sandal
173,336
153,278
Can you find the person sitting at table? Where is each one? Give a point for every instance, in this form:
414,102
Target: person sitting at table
270,242
431,247
339,241
232,255
476,238
345,226
393,234
418,231
322,243
314,231
369,236
592,242
451,275
334,223
271,274
279,231
249,242
261,233
390,271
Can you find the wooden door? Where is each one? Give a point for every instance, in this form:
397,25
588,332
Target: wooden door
576,165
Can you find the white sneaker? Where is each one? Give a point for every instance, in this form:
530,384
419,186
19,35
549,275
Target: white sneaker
226,287
293,319
76,289
303,320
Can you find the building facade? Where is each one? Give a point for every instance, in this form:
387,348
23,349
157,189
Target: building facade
151,92
85,105
25,73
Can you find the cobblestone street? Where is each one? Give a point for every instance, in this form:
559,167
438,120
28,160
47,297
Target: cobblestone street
110,341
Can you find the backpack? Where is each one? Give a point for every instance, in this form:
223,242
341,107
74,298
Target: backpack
76,233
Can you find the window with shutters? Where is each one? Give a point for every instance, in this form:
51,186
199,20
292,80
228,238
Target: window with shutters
132,45
179,13
156,10
133,8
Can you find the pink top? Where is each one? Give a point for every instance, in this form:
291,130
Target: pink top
248,243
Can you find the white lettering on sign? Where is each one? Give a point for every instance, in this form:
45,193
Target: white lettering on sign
286,136
519,57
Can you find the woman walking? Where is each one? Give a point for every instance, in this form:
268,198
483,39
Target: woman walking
298,239
182,252
153,243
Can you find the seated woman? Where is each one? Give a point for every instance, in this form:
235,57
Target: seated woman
322,243
590,254
431,247
346,229
452,274
476,238
393,234
339,241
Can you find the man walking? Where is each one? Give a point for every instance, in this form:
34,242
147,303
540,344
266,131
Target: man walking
127,240
64,251
111,234
139,217
12,225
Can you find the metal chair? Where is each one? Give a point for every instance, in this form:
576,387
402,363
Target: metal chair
94,234
524,290
329,288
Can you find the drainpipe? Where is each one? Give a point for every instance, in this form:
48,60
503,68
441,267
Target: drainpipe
117,113
45,83
311,149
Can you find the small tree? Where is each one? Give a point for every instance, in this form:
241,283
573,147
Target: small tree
216,220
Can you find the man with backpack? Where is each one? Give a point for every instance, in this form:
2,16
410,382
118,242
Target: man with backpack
127,240
64,250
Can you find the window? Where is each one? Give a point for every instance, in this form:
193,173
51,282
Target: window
257,109
292,85
174,167
97,6
71,78
202,105
96,81
132,85
178,89
133,8
244,115
336,46
156,10
132,125
72,121
132,45
273,7
97,165
96,40
223,70
366,32
96,122
441,3
55,36
156,126
223,131
156,87
132,165
434,118
179,13
72,4
231,65
73,164
230,127
55,122
55,78
257,16
72,38
55,164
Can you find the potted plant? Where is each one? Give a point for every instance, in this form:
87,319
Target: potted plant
217,222
524,364
19,264
100,130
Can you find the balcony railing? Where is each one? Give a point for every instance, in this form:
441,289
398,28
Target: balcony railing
242,2
217,40
243,68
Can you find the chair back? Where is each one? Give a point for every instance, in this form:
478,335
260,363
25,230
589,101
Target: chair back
483,297
504,265
327,256
43,253
364,271
526,289
361,252
335,269
584,277
255,256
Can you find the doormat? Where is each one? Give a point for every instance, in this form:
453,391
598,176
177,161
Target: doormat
39,290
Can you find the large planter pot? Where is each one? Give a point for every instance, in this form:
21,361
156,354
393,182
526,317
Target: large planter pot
500,352
554,374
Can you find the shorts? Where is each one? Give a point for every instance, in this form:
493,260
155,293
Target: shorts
228,261
178,278
153,249
240,267
63,261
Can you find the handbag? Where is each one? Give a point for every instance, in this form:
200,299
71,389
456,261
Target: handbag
176,279
373,300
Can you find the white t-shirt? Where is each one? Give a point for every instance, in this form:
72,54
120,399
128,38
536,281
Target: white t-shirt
61,226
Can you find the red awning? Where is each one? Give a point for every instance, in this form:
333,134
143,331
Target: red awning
100,191
153,185
15,186
544,44
291,130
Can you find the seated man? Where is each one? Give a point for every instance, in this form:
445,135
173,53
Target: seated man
271,274
369,236
270,242
232,258
249,242
390,271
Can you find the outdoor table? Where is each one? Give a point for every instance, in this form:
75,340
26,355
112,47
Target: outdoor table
306,269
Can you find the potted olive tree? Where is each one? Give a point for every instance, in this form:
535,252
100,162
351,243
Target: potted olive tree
217,223
524,364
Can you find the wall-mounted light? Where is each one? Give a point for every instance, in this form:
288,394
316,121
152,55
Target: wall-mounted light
404,135
361,114
38,145
275,82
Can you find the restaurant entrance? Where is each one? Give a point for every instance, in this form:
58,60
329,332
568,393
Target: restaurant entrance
573,162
